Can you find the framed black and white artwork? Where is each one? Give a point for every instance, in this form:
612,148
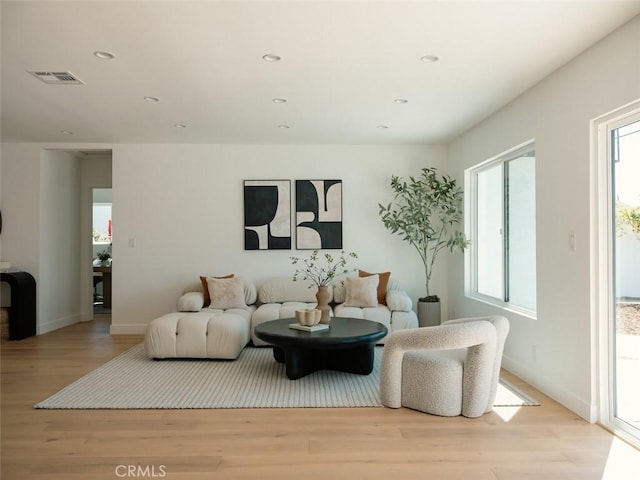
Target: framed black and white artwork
267,214
318,214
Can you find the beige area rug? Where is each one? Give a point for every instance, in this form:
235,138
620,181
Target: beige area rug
254,380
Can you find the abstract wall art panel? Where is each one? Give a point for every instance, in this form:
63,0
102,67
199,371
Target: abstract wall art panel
318,214
267,214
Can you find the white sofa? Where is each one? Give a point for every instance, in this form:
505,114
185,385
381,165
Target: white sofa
199,331
196,331
281,297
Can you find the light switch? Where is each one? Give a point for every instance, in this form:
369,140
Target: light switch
572,242
132,242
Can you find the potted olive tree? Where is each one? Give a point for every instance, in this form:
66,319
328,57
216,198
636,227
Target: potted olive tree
426,211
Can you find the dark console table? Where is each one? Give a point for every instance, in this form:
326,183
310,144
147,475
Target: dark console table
22,313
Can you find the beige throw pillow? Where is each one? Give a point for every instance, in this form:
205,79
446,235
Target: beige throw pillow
205,287
382,284
226,293
361,291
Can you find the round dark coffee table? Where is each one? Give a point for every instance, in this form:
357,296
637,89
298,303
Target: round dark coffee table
348,345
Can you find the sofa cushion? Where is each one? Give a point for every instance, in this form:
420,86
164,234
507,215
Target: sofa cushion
379,313
382,284
226,293
361,291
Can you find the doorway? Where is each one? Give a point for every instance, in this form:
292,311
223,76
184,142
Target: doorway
95,175
101,244
619,271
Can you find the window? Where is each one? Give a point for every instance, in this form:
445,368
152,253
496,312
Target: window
501,223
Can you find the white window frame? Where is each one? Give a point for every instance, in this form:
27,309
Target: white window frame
471,226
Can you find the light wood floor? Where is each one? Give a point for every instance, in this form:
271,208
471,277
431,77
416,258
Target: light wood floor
546,442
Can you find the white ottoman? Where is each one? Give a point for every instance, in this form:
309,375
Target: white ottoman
204,334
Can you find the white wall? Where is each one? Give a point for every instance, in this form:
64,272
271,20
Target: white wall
20,179
59,272
183,205
556,113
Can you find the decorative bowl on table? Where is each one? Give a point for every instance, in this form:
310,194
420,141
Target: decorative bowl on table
309,317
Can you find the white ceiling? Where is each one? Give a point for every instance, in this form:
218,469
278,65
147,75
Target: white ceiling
343,64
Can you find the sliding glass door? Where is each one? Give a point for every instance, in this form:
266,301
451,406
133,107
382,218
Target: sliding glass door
624,324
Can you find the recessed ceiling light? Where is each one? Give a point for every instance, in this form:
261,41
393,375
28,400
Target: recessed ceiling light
66,132
152,99
382,127
104,55
279,100
284,127
270,57
429,59
401,100
180,125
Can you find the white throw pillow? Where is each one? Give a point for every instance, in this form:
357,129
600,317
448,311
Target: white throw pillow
226,293
361,291
399,300
191,302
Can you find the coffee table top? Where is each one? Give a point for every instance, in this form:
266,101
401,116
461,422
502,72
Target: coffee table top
343,332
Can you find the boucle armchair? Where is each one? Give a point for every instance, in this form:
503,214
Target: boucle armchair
448,370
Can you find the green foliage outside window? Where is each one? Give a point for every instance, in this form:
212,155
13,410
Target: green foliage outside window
628,220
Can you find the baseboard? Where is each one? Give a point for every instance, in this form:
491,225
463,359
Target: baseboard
128,329
560,394
52,325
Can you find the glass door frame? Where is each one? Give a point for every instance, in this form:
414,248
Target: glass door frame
603,304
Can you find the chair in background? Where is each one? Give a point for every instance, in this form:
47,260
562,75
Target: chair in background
448,370
97,280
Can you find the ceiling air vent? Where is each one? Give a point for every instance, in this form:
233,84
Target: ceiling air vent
58,78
